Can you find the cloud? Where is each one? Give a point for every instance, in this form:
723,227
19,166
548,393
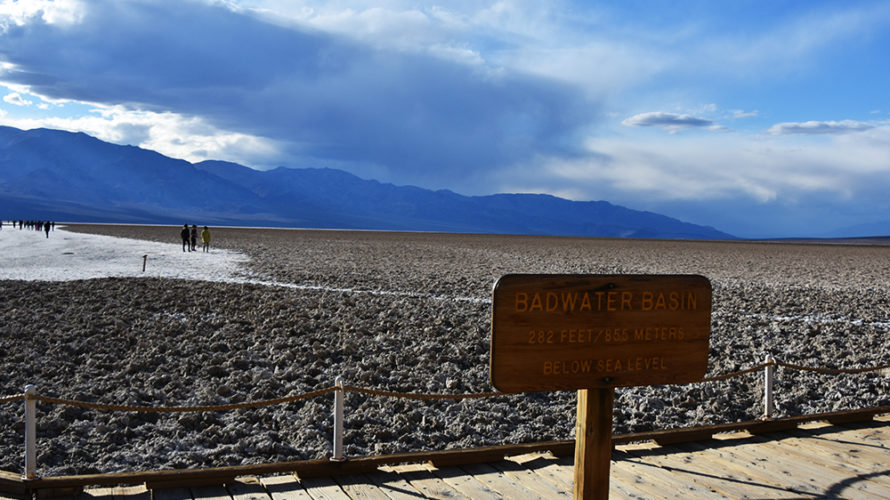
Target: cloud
188,138
64,12
322,98
662,170
738,113
819,128
16,99
669,121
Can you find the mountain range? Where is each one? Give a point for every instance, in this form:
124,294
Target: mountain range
73,177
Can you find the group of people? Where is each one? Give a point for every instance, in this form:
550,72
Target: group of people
190,238
34,225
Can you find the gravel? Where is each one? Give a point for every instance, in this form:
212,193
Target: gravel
405,312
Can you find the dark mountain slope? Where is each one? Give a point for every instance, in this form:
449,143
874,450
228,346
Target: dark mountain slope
75,177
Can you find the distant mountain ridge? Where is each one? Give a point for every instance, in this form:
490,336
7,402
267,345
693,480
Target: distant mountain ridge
51,174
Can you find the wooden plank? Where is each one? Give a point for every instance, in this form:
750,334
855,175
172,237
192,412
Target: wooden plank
874,436
139,492
843,453
216,492
247,488
171,494
866,474
499,482
11,485
284,487
751,481
323,488
103,493
638,477
531,481
360,487
558,471
842,476
393,485
547,470
465,483
711,470
800,475
72,492
628,481
664,470
429,485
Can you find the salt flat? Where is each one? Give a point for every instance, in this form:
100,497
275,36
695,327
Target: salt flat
63,256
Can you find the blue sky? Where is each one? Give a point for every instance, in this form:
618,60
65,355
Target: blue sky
762,119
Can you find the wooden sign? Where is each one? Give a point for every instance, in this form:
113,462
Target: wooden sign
559,332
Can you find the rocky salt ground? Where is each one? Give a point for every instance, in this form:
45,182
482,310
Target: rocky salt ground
407,313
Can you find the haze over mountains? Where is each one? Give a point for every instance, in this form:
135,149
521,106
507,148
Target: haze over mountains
63,176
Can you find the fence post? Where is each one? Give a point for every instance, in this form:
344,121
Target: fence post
30,433
768,374
338,420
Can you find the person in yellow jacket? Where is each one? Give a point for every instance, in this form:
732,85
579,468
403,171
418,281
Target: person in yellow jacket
205,238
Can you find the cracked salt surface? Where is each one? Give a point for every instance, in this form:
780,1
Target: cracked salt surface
29,255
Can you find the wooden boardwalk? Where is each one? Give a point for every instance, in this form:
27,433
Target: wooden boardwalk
817,460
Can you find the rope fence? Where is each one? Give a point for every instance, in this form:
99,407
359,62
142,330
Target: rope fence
10,399
30,398
185,409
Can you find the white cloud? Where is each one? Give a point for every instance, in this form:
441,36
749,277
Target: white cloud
739,113
19,13
758,168
819,127
16,99
177,136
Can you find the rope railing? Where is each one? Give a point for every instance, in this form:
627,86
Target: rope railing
833,371
13,398
185,409
412,395
383,393
30,397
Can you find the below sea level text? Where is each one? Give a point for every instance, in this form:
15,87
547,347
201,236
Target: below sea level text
581,366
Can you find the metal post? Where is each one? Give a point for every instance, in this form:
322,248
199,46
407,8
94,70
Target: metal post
30,433
768,374
144,260
338,421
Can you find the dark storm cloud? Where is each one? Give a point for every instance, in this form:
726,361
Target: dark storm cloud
324,97
819,128
668,120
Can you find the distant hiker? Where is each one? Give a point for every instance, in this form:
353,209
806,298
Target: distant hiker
46,228
205,238
194,238
185,236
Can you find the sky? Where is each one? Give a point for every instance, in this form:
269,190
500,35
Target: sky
760,118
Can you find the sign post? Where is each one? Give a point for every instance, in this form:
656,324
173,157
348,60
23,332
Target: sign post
593,443
592,333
